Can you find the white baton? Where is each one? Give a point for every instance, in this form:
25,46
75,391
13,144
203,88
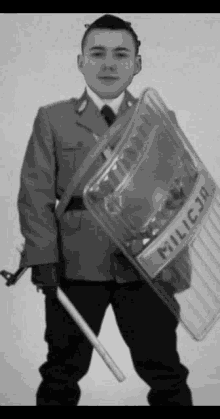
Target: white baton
90,335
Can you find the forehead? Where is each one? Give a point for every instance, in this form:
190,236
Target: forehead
109,39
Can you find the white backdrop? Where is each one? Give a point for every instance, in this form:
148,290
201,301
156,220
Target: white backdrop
181,59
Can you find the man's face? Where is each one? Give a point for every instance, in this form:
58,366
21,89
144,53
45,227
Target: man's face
108,62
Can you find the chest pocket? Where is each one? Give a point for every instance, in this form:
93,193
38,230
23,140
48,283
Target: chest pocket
73,156
70,155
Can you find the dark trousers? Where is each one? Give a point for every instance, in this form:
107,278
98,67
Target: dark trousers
146,325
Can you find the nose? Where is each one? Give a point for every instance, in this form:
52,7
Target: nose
109,68
109,64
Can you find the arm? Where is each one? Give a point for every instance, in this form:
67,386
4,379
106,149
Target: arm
37,196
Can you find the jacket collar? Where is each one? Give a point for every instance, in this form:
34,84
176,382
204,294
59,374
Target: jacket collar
113,103
88,114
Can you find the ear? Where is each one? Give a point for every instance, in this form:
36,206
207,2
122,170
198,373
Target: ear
80,62
138,64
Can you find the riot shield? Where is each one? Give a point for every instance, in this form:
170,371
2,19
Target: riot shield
159,204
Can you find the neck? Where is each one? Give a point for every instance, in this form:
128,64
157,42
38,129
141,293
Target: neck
104,98
99,102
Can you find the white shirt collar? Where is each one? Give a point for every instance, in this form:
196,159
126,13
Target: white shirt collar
113,103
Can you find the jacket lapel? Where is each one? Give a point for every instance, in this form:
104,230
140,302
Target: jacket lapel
89,117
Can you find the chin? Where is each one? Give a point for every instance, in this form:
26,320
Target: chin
106,94
109,95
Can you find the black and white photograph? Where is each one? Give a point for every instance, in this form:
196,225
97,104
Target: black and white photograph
110,209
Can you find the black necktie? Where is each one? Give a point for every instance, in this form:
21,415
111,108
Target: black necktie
108,114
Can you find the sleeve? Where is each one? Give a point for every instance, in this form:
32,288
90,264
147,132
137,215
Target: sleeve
37,196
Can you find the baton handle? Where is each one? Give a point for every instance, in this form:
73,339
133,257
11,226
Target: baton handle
11,279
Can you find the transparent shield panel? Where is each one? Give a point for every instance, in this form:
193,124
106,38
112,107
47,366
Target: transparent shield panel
156,200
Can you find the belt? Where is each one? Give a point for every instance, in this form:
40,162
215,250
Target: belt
76,203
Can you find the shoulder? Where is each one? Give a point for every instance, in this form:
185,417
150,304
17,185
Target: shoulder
60,112
60,106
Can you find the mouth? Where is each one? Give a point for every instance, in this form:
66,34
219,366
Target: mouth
108,78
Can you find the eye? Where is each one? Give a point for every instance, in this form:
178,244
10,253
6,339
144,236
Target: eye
121,55
97,54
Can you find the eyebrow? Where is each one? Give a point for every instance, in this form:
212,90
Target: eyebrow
100,47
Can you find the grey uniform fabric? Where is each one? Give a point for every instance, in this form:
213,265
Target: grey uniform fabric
62,136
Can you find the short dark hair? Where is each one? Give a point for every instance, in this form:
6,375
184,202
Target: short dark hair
113,23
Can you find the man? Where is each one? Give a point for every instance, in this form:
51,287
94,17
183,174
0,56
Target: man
75,252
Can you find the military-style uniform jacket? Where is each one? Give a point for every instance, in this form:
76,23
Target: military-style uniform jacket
63,134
